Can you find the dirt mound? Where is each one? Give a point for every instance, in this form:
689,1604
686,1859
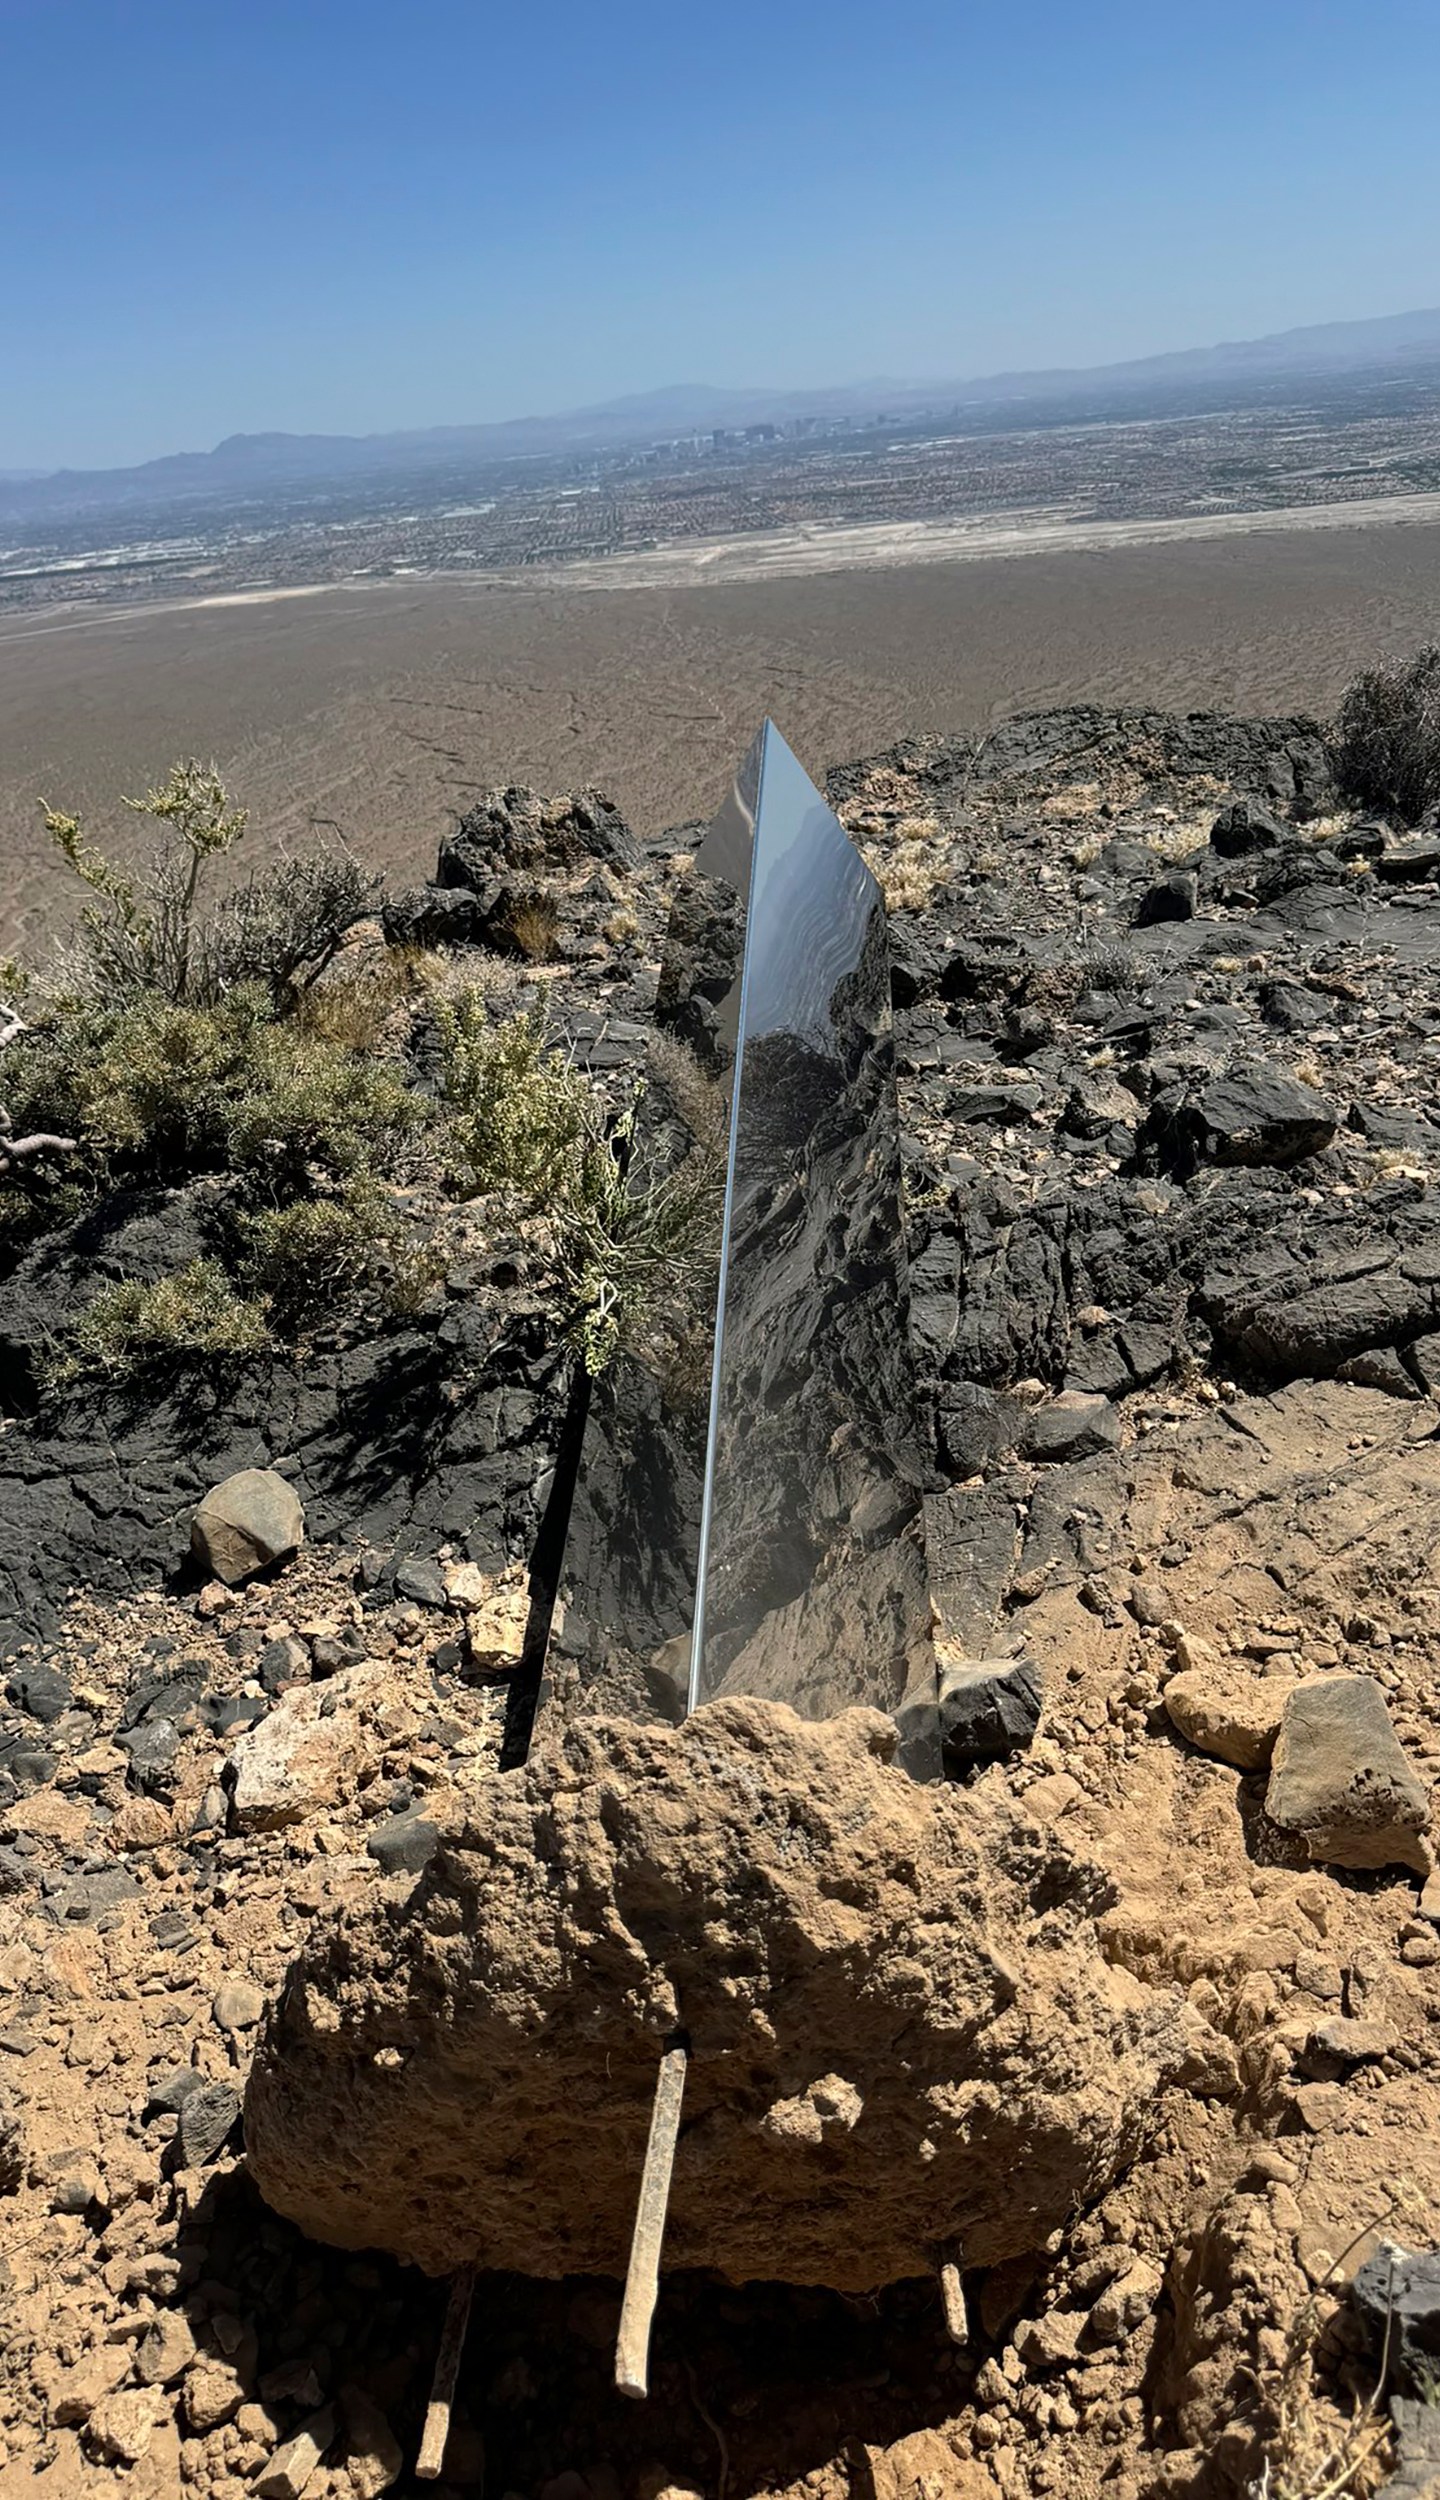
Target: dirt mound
903,2038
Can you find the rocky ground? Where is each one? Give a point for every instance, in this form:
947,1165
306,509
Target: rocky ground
1168,1021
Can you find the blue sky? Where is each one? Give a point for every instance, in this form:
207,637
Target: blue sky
223,216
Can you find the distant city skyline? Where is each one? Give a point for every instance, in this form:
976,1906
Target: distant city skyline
244,220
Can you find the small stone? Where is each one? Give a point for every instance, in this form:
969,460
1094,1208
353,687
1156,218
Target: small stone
123,2425
373,2457
291,2467
141,1823
214,2394
1150,1604
41,1691
1353,2042
75,2393
989,1709
173,2089
282,1662
421,1581
1228,1711
166,2349
496,1626
238,2005
76,2189
246,1523
1045,2342
1126,2303
1072,1425
206,2118
402,1844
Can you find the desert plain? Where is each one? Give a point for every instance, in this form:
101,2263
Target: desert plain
383,707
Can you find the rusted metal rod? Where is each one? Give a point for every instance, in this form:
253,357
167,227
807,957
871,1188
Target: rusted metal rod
642,2282
430,2462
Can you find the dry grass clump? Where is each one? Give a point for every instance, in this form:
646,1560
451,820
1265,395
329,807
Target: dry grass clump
535,928
1385,746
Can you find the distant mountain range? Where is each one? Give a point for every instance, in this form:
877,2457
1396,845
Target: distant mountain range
249,466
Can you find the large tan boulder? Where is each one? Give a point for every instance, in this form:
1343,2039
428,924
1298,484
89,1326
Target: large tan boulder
250,1520
903,2037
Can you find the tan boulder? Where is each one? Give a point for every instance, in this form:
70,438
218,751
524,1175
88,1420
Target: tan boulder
902,2031
305,1757
1227,1709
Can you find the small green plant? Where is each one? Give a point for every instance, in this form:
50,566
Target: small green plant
1385,748
516,1109
156,1092
626,1239
135,1332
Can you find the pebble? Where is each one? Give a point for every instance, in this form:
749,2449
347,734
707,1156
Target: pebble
291,2467
166,2350
206,2118
238,2005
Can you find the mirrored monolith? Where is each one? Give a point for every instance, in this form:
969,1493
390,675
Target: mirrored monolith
748,1518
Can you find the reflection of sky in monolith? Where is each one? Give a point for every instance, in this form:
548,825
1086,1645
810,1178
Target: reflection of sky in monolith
763,1536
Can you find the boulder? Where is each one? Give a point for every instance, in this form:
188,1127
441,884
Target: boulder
1244,827
1073,1425
1173,898
307,1754
1341,1778
1257,1114
1227,1709
516,828
989,1709
249,1521
464,2073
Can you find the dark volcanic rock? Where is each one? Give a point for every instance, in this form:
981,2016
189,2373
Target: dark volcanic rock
1397,2295
41,1691
519,829
1077,1424
1256,1114
1244,827
989,1709
1174,898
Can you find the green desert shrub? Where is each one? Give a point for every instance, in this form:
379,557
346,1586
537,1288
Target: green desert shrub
158,1092
135,1332
516,1110
148,933
315,1255
627,1238
1385,747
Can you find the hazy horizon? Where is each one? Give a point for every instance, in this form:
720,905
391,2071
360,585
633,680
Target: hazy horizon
234,223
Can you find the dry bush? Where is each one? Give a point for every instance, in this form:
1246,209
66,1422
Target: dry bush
1385,746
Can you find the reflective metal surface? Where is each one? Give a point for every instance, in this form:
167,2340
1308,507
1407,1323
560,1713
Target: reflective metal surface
749,1520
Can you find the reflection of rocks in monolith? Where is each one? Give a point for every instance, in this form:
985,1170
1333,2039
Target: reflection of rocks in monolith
749,1516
